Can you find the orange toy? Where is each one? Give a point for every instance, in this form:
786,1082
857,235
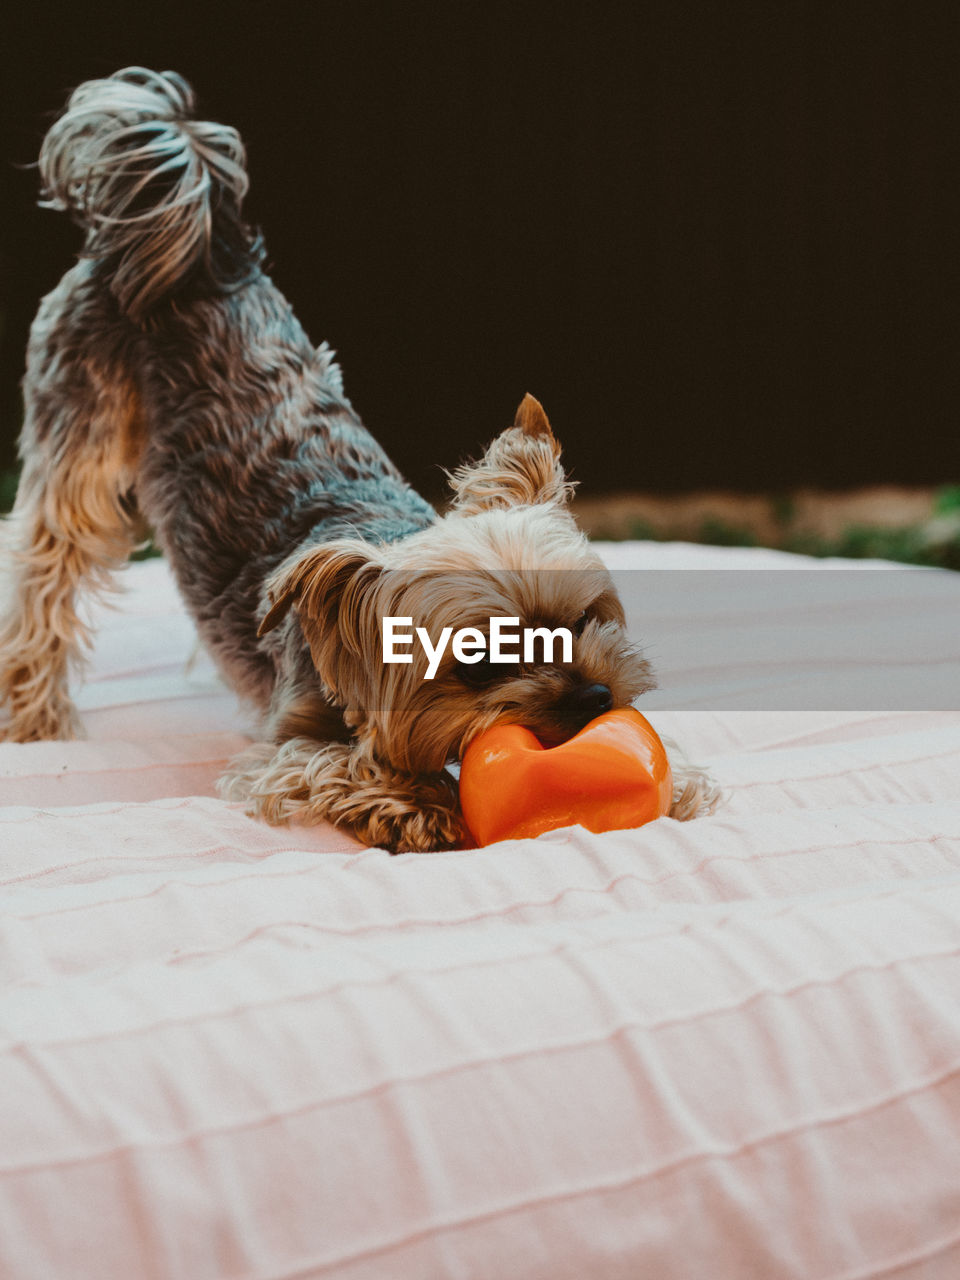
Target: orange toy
612,774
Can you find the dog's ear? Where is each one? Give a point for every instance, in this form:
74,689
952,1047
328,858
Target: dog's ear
326,583
520,468
532,420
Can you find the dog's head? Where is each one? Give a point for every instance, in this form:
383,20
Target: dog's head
507,548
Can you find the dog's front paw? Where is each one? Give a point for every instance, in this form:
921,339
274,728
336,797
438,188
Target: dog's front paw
400,812
305,781
695,794
427,829
394,811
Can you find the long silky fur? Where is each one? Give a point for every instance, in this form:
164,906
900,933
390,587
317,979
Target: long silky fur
157,191
168,379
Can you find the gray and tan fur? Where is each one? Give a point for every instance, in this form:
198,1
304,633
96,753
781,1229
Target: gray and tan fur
169,381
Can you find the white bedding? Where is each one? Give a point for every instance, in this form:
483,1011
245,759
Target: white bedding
722,1049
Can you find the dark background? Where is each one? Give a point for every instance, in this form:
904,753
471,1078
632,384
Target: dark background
717,240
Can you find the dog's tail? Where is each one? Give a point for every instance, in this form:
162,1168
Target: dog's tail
158,192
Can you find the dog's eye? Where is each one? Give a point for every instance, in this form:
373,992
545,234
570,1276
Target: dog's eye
480,673
580,623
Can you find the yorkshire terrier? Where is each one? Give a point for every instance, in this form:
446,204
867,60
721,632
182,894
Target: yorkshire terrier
168,381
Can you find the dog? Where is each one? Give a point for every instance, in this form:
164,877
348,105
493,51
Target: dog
168,381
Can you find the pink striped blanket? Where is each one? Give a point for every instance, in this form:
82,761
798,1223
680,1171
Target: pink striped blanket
722,1049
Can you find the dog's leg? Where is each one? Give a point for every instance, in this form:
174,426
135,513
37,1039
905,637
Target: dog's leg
306,781
695,794
69,529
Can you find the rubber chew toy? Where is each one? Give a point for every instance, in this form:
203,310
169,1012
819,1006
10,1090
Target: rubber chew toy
613,774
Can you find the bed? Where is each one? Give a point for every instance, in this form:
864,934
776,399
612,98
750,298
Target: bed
729,1048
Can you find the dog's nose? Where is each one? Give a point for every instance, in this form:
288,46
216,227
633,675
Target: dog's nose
589,701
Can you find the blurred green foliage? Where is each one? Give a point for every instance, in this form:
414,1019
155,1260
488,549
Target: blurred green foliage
935,542
913,544
8,489
947,500
718,533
